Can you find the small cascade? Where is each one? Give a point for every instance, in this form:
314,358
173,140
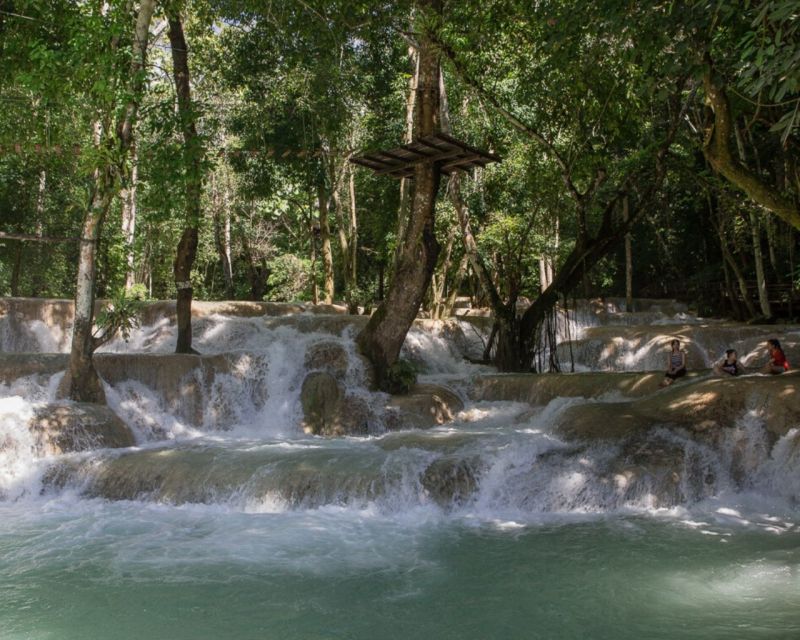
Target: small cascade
225,427
645,348
481,466
18,457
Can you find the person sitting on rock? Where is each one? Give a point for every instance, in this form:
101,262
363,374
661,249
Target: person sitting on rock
777,358
730,365
676,364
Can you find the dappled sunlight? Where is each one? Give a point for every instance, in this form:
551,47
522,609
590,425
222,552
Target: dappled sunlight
694,400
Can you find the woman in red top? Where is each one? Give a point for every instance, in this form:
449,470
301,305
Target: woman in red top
777,359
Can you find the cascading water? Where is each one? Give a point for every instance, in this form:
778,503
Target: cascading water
226,520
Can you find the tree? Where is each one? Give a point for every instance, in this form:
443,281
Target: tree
194,168
381,340
81,381
752,50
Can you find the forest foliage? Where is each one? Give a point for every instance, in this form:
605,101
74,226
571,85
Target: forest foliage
283,94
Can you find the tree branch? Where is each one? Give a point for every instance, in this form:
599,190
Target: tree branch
519,125
717,150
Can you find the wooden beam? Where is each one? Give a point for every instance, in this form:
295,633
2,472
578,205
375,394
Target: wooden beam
415,161
450,139
28,237
393,156
469,160
431,145
441,148
412,149
366,162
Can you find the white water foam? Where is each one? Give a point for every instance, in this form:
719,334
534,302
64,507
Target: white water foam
18,475
498,462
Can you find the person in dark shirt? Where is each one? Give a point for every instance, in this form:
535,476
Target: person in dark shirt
730,365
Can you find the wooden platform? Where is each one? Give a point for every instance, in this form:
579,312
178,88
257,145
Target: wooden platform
451,154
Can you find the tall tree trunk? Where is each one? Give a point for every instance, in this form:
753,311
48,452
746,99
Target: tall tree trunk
405,183
628,258
348,238
312,234
450,302
81,382
222,237
585,255
193,166
439,284
17,269
736,310
39,279
717,221
352,267
325,244
383,337
771,242
755,231
758,258
128,198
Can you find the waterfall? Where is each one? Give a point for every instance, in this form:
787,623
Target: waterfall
222,428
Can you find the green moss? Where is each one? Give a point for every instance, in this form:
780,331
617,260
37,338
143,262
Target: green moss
400,377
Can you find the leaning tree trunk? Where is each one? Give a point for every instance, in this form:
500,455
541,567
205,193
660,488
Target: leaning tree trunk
382,338
193,159
717,150
81,382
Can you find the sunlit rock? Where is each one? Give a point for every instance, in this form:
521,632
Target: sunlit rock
330,357
192,387
450,480
646,347
700,406
70,427
41,365
328,411
539,389
425,406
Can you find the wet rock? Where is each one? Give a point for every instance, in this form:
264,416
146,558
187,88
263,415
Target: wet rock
645,347
192,387
21,365
19,332
539,389
425,406
701,406
319,323
330,357
328,411
321,398
70,427
450,481
35,324
356,416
